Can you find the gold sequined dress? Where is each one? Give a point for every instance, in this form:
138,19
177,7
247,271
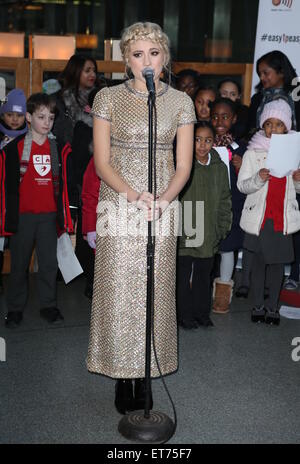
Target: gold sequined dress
117,332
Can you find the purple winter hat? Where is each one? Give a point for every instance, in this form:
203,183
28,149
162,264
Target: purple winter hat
16,102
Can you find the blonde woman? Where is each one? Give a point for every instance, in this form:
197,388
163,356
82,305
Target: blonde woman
117,335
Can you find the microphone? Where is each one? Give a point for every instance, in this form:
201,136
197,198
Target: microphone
148,74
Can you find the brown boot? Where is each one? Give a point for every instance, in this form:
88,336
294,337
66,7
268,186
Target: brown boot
222,295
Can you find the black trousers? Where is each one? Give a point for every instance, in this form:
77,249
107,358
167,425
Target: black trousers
194,303
262,273
38,230
294,274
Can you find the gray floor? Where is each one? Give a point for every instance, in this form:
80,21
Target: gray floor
236,383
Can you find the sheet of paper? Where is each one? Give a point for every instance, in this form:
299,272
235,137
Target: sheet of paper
284,154
224,155
67,260
290,312
2,239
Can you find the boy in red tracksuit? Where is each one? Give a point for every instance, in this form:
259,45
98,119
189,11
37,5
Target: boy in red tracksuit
34,202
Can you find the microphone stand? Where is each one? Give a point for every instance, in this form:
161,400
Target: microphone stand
148,426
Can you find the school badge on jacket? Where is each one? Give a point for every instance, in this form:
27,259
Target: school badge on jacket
42,164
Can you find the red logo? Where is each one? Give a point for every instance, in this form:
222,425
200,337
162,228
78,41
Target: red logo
42,164
287,3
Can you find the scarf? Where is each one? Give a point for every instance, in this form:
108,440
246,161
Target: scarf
269,95
260,142
223,140
10,134
54,160
76,107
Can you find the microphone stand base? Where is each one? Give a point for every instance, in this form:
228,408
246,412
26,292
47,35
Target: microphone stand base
158,428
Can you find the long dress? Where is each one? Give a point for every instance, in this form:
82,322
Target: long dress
118,318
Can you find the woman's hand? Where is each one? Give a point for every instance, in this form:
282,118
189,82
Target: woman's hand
160,206
264,174
152,209
91,239
144,202
296,175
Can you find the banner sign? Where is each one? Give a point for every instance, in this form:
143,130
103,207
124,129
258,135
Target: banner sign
278,28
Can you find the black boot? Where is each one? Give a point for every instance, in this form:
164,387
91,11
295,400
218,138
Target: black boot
13,319
124,396
242,292
272,317
258,314
140,395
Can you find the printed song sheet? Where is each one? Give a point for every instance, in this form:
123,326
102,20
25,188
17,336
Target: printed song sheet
67,260
284,154
224,155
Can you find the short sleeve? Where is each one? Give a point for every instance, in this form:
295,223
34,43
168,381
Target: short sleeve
102,105
187,112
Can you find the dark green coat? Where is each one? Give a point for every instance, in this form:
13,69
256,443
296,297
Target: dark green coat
210,185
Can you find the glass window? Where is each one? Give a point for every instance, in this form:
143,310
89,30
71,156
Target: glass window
10,79
200,30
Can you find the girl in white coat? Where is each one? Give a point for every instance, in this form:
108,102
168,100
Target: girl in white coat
270,214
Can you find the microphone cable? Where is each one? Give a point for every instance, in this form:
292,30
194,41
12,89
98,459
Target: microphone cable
153,274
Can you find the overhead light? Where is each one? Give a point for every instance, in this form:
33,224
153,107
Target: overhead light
33,7
52,47
86,41
12,44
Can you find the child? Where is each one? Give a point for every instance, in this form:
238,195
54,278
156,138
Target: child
208,184
36,197
12,117
89,199
188,81
82,152
229,88
270,213
89,196
204,97
12,124
223,117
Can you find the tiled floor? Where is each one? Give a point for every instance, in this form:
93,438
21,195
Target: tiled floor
236,383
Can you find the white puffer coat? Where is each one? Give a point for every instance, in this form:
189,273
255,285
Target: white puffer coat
250,183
